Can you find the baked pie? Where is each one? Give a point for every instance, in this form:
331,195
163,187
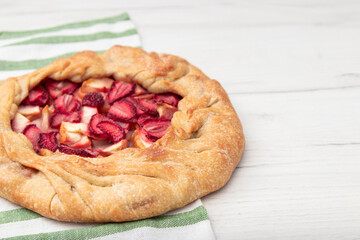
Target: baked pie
117,136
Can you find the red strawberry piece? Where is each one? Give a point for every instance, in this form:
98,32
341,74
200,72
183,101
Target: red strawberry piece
87,153
58,118
57,88
155,128
148,102
114,131
168,98
81,152
94,129
32,132
140,109
73,117
120,90
93,99
48,141
143,119
166,111
124,125
145,138
37,96
122,111
67,104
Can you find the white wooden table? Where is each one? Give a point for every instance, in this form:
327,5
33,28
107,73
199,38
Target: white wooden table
292,70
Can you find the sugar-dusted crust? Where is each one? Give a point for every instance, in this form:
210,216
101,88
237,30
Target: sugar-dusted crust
197,155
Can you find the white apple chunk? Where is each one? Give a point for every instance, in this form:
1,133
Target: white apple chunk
19,123
95,85
74,135
86,113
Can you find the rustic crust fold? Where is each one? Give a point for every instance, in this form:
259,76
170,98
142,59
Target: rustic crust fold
197,155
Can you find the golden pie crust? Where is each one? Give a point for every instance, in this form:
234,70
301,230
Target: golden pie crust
197,155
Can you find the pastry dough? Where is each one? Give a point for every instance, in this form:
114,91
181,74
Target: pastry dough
197,155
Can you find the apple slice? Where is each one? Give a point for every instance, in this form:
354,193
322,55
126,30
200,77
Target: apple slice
87,113
95,85
30,112
44,121
114,148
140,140
139,91
19,123
74,135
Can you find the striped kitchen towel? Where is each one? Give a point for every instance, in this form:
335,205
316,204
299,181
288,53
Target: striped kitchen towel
23,51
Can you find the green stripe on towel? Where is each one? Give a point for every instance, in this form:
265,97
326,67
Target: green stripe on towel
32,63
75,38
182,219
15,34
21,214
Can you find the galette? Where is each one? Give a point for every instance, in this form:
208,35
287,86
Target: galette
116,136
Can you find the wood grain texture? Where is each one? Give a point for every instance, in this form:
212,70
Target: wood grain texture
291,69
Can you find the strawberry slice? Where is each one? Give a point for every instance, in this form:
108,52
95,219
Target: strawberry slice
166,111
81,152
93,99
32,132
57,88
122,111
48,141
19,123
87,113
38,96
114,131
120,90
124,125
94,129
140,109
148,102
143,119
168,98
155,128
67,104
58,118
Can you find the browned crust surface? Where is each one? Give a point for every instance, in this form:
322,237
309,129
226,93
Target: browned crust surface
197,155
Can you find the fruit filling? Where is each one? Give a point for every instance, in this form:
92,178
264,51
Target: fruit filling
95,119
